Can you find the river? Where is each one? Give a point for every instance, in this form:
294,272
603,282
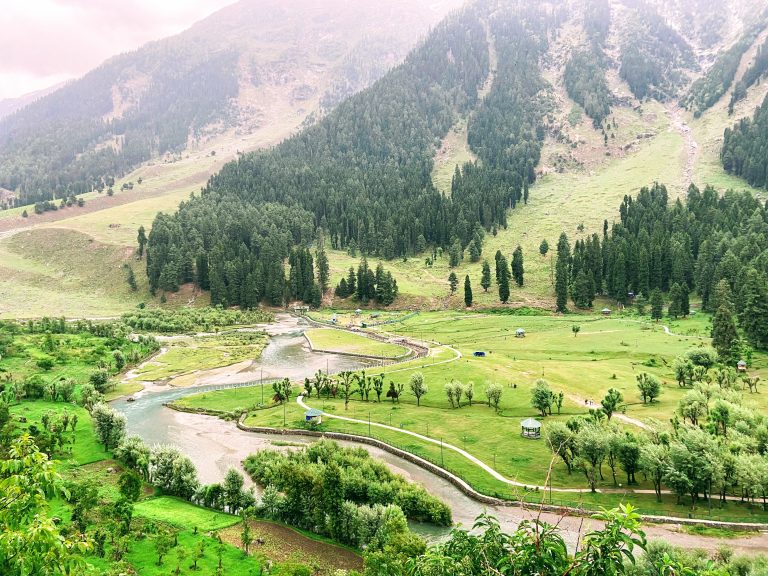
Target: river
215,445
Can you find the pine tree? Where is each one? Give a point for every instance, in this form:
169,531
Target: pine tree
498,270
685,303
657,304
544,247
453,281
351,282
675,305
562,272
725,337
753,314
474,251
467,292
485,280
503,272
455,254
142,240
582,290
517,266
323,274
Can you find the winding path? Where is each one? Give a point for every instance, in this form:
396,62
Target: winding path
467,455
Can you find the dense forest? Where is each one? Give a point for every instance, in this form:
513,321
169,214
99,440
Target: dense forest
653,56
363,174
745,148
585,71
707,90
715,245
69,142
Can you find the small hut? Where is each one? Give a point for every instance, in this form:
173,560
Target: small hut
300,310
606,311
519,333
531,428
741,366
313,416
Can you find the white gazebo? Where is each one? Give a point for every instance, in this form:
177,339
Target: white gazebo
531,428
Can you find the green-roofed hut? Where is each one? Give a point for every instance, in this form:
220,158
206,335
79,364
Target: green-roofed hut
531,428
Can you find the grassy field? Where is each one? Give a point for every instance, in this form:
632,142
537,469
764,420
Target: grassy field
54,272
606,353
332,340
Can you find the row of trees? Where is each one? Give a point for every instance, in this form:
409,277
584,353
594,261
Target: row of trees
707,90
718,445
712,244
368,286
752,75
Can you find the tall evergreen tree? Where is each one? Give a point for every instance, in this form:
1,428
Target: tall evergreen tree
453,281
467,292
142,241
657,304
582,290
562,272
753,313
485,280
502,269
725,337
323,274
517,266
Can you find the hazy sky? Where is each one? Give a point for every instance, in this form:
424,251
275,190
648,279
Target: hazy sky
44,42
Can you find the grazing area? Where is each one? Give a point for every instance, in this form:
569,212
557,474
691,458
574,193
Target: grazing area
344,342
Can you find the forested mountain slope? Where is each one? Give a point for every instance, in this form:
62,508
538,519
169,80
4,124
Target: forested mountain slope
362,176
363,173
233,72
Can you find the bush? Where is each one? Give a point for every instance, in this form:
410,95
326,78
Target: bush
702,356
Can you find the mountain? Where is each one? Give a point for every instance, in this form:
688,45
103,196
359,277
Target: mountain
363,176
10,105
255,65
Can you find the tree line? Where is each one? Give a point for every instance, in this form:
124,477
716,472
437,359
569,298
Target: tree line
657,249
743,151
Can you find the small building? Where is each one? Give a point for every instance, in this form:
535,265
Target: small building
531,428
358,312
313,416
479,354
741,366
301,310
519,333
606,311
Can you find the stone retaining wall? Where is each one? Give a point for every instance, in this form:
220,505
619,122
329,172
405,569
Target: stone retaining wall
482,498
